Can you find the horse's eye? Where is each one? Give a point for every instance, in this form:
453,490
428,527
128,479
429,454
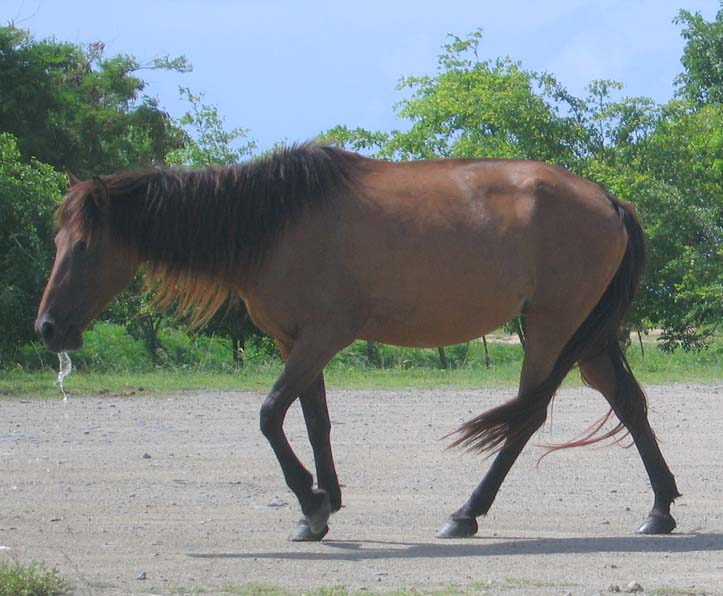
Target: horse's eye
80,246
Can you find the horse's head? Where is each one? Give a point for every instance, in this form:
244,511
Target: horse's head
91,267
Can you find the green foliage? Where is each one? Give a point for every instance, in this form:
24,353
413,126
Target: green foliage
207,142
74,108
77,110
392,357
109,347
702,80
421,369
505,360
198,352
686,223
484,108
106,347
31,580
476,108
29,193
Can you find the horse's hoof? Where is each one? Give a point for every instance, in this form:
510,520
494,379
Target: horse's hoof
303,533
317,519
657,523
458,528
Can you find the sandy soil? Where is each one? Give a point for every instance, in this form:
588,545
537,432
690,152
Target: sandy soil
185,490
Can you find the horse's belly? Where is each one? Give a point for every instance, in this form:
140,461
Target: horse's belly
437,318
443,293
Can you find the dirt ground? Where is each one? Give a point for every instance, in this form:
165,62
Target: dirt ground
184,491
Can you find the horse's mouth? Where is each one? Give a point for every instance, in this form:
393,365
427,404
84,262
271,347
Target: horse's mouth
69,340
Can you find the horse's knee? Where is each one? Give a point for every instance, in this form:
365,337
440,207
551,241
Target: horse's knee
269,419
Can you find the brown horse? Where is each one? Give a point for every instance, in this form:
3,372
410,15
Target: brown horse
326,246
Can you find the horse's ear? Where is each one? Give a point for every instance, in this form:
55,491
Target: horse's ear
72,180
100,193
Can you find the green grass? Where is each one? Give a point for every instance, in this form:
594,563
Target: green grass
41,383
164,382
31,580
658,367
114,363
665,369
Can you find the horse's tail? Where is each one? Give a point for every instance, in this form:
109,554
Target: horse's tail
520,417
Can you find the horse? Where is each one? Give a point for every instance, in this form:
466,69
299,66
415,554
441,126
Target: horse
326,246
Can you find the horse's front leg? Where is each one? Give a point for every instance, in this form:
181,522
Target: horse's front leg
304,363
318,425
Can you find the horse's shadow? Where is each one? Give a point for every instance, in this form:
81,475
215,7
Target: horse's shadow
480,547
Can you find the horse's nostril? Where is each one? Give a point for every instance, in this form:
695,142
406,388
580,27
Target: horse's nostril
47,330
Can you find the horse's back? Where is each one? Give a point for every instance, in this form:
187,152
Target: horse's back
438,252
460,245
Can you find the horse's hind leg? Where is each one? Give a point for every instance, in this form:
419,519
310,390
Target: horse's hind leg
520,418
463,522
318,425
609,374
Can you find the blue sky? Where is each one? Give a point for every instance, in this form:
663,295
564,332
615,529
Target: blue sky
290,70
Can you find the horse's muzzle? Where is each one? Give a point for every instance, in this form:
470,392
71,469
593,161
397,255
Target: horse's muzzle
55,337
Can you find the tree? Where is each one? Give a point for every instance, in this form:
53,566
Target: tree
29,193
702,80
206,140
476,108
685,225
73,108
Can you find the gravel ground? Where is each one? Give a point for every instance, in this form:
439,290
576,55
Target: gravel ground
184,491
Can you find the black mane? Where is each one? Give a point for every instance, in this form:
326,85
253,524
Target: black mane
199,228
219,218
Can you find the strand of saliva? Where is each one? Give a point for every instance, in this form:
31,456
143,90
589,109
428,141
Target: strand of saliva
65,366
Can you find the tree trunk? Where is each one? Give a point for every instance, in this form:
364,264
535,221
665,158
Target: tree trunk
235,346
373,356
519,328
443,358
487,353
242,332
150,336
